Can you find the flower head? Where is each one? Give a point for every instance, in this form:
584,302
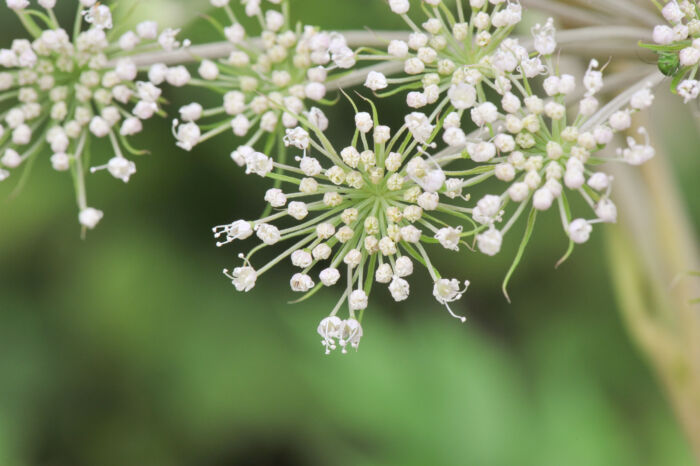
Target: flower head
445,57
62,92
265,82
545,148
367,211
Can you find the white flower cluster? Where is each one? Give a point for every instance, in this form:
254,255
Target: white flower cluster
448,54
379,202
678,46
499,113
366,209
60,92
541,147
266,81
537,144
540,144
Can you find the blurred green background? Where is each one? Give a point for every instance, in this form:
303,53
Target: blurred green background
131,348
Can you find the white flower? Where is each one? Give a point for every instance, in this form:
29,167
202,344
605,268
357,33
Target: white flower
208,70
620,120
398,48
448,290
353,258
167,39
268,234
357,300
376,81
329,276
462,96
351,333
301,259
301,283
399,289
606,211
275,197
17,4
234,33
298,210
317,118
89,217
188,135
243,278
131,126
400,7
147,30
259,164
297,137
542,199
99,127
240,229
579,230
487,210
100,16
490,242
689,56
11,159
482,151
545,43
642,99
416,100
689,89
484,113
637,154
315,91
449,237
599,181
191,112
60,162
663,35
121,168
330,329
672,12
363,122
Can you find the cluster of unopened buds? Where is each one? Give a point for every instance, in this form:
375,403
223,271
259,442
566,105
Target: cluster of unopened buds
483,108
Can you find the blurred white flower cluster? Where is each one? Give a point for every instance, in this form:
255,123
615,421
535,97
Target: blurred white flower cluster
61,91
267,80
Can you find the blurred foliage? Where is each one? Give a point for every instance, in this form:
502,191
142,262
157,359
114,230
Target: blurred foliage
131,348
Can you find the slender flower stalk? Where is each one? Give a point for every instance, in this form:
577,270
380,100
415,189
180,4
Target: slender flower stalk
65,91
654,261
